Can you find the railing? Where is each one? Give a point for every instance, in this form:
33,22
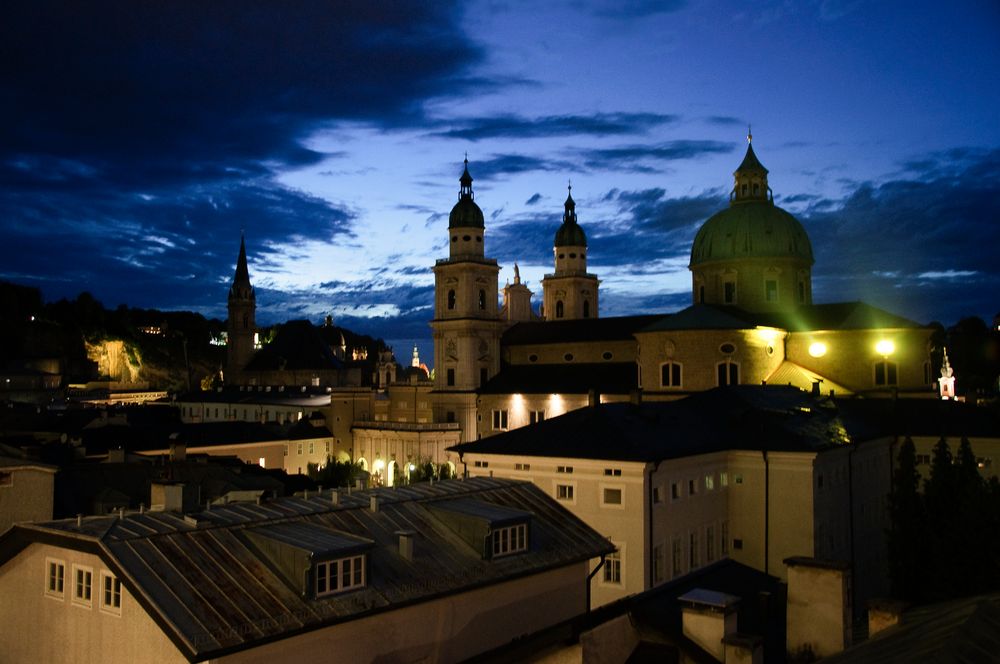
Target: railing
385,425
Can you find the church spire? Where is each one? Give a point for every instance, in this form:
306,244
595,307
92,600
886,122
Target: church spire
751,177
569,213
242,275
465,190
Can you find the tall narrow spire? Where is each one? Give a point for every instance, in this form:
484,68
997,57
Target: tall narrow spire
465,191
569,213
242,275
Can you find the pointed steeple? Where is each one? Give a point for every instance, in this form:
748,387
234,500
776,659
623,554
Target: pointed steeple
569,214
751,178
466,213
465,190
242,275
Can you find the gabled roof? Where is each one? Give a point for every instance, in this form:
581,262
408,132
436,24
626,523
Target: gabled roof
729,418
805,318
586,329
705,317
218,596
569,378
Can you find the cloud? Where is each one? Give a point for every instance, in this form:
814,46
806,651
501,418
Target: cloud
515,126
500,165
632,157
534,199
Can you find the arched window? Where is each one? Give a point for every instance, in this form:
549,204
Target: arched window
559,308
246,321
885,373
670,374
482,300
451,299
729,292
701,294
727,373
586,308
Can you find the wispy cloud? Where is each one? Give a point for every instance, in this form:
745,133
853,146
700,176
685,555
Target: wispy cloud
520,127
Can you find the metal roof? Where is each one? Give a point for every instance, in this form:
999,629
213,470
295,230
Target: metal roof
212,592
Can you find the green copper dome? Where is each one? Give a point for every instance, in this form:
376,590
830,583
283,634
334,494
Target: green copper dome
466,213
570,234
751,229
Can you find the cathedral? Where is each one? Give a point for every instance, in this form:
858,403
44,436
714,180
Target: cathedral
500,364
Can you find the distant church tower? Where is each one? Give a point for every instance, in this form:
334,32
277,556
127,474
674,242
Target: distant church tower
516,301
752,255
242,311
570,293
466,322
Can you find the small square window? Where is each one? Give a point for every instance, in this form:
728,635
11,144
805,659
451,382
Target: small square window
564,491
657,495
709,482
612,496
738,544
564,469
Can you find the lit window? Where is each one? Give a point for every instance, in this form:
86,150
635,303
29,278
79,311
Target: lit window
111,592
670,374
336,576
510,540
299,448
885,373
499,420
724,479
564,491
312,447
709,482
536,416
83,581
612,497
613,568
55,577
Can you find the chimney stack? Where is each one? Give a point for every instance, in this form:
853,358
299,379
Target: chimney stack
708,617
406,543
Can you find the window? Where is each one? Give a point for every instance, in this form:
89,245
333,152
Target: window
499,420
451,299
771,290
449,416
677,557
586,308
709,482
658,564
335,576
729,292
536,416
802,292
451,377
482,464
83,581
885,373
613,568
568,357
692,551
657,495
727,373
564,469
612,497
55,577
724,479
564,491
675,491
613,472
607,355
739,478
559,308
522,466
692,487
670,374
709,544
299,450
111,592
510,539
482,300
738,544
701,295
312,447
724,528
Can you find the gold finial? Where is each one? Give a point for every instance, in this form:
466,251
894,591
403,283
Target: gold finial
749,135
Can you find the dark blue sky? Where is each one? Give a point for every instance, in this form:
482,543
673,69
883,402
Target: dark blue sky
138,139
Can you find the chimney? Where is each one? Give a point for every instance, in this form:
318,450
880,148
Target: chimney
818,619
373,502
335,497
593,398
406,543
743,649
116,456
884,613
815,390
166,497
708,617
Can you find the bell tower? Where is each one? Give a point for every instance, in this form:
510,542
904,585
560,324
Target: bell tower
466,322
242,324
570,293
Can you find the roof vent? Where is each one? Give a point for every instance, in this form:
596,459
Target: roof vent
373,502
335,497
406,543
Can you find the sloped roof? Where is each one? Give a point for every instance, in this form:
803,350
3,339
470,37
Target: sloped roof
960,631
805,318
790,373
211,592
728,418
569,378
585,329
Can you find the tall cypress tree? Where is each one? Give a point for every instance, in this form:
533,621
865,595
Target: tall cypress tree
906,534
941,504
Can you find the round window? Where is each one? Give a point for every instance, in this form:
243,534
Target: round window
568,357
572,254
532,358
769,349
727,349
454,238
562,255
466,237
607,355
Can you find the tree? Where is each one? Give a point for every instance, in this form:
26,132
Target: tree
906,534
334,473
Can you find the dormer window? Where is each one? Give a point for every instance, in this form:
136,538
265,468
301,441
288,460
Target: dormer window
341,575
510,539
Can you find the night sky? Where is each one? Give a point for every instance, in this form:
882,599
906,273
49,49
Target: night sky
137,140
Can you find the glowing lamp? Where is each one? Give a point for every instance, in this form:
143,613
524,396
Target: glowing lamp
885,347
378,465
412,467
817,349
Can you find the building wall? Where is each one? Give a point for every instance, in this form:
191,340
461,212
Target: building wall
850,356
750,276
519,408
449,629
387,452
26,494
40,628
582,351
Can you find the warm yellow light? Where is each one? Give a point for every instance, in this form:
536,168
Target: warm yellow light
767,334
817,349
378,465
885,347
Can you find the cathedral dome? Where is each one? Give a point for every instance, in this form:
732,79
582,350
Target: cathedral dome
570,234
751,229
466,213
